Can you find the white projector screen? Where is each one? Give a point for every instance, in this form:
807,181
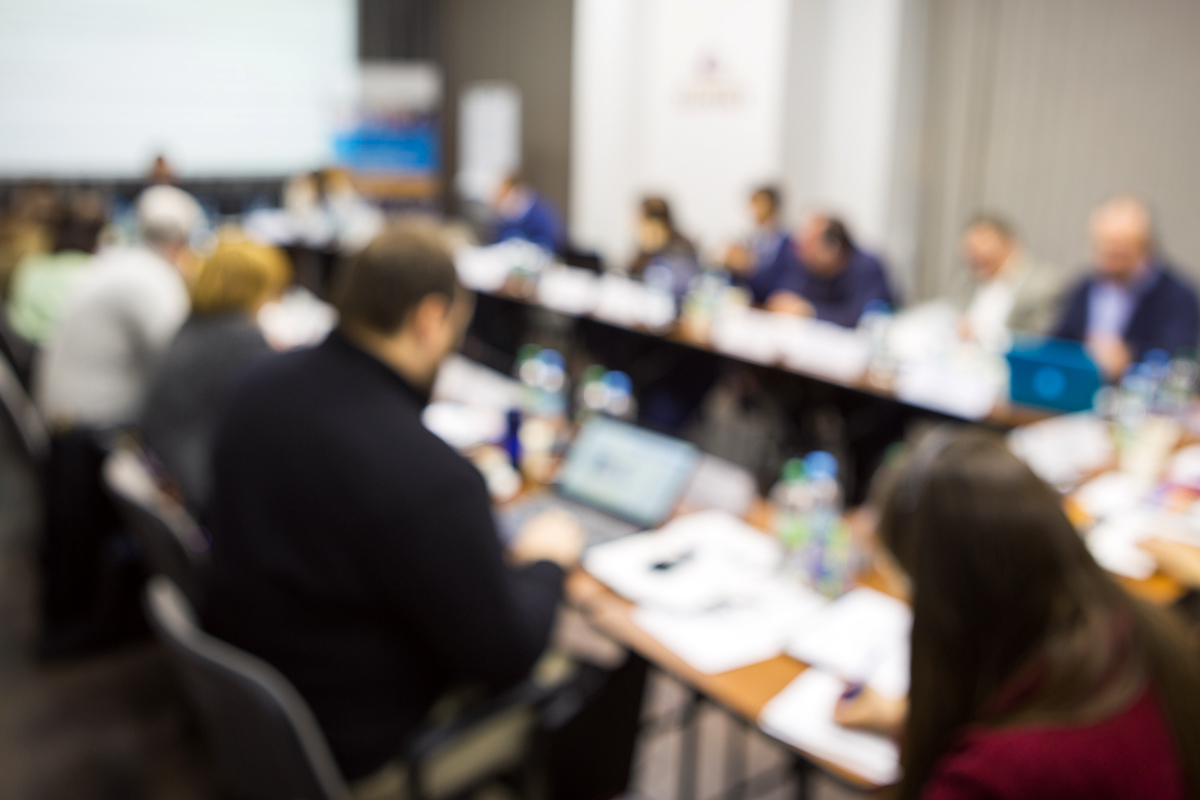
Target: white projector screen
221,87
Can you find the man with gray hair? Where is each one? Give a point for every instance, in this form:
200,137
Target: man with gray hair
99,361
1132,302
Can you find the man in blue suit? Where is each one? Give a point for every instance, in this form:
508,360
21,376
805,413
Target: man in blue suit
522,213
1132,302
834,280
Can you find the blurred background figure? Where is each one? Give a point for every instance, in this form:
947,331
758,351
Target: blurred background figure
25,227
99,361
1011,292
161,172
836,281
199,370
1132,302
523,213
42,284
665,258
90,383
765,261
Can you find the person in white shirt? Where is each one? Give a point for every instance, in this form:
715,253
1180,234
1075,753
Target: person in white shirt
98,363
1011,293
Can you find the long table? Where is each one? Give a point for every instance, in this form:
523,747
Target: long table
1004,415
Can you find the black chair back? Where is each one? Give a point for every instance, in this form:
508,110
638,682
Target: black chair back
267,743
23,415
172,543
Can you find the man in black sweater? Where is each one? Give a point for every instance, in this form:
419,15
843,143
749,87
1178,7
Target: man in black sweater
354,550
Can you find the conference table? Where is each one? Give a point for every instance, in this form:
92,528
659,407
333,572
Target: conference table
520,294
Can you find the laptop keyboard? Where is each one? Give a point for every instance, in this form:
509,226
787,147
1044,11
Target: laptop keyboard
598,526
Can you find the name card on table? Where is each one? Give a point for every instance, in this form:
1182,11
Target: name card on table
568,290
824,349
964,393
628,303
748,334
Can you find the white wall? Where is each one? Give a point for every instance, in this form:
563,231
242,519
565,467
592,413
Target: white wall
232,87
815,88
683,98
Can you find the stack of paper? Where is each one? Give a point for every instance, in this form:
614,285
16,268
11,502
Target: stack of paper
802,716
949,387
861,637
732,637
628,303
698,562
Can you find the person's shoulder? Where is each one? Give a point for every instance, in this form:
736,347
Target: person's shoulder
1174,281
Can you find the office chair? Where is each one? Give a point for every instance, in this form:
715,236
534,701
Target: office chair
172,543
267,743
269,746
23,414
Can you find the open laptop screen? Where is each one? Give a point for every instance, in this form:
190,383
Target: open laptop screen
629,472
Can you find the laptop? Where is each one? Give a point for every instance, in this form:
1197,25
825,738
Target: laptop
617,479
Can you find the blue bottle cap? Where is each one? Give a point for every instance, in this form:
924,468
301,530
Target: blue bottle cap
820,464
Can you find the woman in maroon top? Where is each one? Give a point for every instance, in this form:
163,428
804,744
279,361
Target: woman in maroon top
1034,675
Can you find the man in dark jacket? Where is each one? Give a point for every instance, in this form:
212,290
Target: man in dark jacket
353,549
834,280
1132,302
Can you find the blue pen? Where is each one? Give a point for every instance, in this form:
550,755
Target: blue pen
853,690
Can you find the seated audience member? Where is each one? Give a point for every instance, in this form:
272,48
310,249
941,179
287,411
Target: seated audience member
523,213
1012,293
665,257
42,284
98,363
765,262
211,351
1132,302
353,549
835,280
91,381
1034,674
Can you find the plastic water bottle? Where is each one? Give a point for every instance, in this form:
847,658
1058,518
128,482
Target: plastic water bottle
543,377
793,502
875,324
608,392
829,548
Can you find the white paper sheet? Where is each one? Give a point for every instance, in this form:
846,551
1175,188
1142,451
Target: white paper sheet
1111,493
728,638
1114,542
863,636
1062,450
464,426
945,387
802,715
698,562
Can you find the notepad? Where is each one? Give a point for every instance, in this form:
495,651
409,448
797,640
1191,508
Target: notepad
732,637
863,636
802,716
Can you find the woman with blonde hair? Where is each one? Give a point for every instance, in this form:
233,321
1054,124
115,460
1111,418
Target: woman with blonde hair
219,342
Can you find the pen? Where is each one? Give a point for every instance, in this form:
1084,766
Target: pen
853,690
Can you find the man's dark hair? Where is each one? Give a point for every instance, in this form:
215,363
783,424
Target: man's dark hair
772,194
657,208
380,287
1001,225
837,235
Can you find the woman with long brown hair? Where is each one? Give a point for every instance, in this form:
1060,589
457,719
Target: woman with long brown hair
1034,674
